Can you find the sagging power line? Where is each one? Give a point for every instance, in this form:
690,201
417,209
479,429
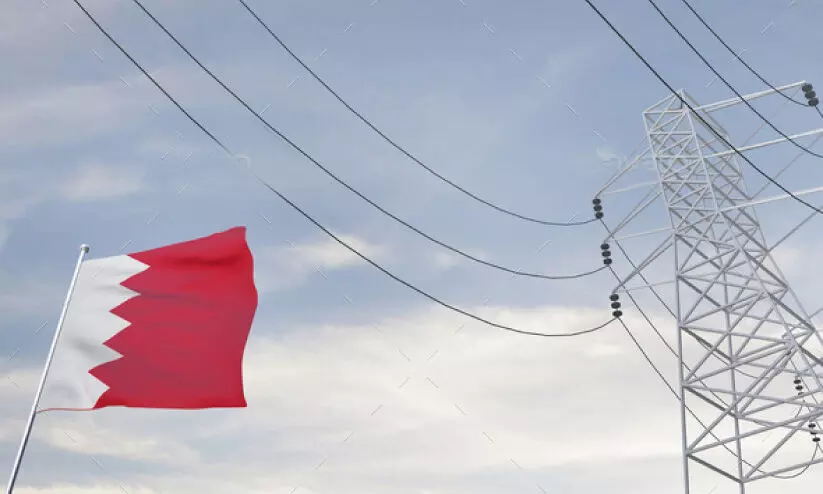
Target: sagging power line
739,58
345,184
394,143
231,155
728,84
683,102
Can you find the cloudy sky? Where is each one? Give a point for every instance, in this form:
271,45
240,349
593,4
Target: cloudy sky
356,384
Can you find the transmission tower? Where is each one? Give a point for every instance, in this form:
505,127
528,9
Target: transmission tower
750,369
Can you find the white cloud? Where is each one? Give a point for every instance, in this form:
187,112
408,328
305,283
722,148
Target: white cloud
67,113
585,413
83,489
285,267
95,182
445,260
16,383
416,399
330,254
336,376
97,440
38,26
23,191
11,430
12,209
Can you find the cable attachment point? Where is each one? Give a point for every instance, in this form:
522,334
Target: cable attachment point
615,305
598,208
811,96
605,252
813,429
798,385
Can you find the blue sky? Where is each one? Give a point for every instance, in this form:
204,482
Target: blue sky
92,153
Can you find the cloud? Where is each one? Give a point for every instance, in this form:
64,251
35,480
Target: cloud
38,27
392,405
17,383
285,267
21,192
95,182
82,489
67,114
416,402
330,254
33,295
446,260
12,209
336,376
11,430
97,440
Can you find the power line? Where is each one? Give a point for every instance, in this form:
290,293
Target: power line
728,84
393,143
306,215
340,181
696,114
643,313
738,57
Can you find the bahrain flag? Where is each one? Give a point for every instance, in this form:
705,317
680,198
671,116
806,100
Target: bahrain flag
163,328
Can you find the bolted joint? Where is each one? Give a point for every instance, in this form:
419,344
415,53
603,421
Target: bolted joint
614,297
607,261
806,87
814,101
617,313
607,253
615,305
604,246
598,214
596,201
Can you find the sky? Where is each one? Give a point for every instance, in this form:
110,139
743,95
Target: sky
354,382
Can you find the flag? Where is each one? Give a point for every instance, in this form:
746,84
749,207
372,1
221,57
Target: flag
162,328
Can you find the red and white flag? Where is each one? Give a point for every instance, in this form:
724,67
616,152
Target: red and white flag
163,328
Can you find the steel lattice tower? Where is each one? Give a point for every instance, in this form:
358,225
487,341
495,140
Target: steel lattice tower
747,370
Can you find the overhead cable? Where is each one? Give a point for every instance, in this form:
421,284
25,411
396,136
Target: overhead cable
394,143
737,56
345,184
728,84
685,103
306,215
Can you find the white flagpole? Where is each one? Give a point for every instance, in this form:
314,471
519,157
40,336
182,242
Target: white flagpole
84,249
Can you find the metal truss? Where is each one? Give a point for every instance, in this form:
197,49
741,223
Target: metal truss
750,366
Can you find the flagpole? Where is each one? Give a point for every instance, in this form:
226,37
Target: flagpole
84,249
